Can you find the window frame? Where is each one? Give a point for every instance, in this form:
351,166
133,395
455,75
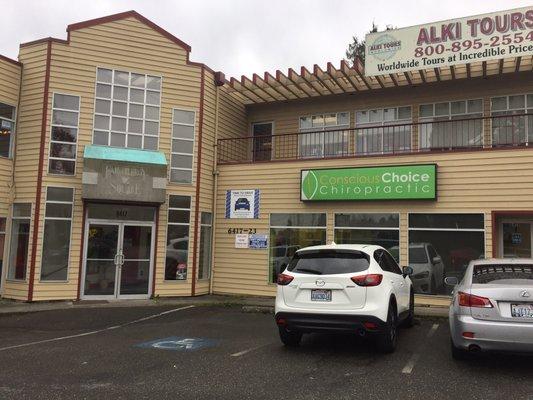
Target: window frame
128,102
210,226
71,219
193,153
484,230
272,137
75,144
302,132
369,125
14,131
178,224
424,121
509,112
11,218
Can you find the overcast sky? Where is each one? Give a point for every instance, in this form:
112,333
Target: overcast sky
243,36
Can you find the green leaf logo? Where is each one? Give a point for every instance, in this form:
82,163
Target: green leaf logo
309,185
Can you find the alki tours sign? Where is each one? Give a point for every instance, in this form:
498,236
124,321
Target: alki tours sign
459,41
397,182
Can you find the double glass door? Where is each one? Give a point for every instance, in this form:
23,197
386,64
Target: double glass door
118,259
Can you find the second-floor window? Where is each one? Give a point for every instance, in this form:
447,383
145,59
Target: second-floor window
455,124
509,125
328,135
383,130
183,122
64,137
127,109
7,129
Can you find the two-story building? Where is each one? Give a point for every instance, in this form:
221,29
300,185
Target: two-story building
129,171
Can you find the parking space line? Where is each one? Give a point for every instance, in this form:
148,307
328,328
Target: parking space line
414,358
243,352
57,339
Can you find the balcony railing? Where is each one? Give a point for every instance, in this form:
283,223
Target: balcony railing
424,136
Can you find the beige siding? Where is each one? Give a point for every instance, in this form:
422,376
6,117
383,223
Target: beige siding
131,46
475,182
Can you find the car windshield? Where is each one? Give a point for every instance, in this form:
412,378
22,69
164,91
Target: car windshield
329,262
417,255
503,274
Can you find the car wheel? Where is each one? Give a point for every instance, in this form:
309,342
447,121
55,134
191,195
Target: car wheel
410,320
386,342
458,353
289,338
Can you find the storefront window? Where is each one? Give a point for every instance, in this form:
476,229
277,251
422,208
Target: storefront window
291,232
369,228
513,129
179,214
63,143
7,128
440,133
56,241
19,241
127,109
183,122
383,130
326,137
204,264
442,245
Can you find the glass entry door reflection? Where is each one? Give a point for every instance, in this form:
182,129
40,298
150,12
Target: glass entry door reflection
516,239
118,260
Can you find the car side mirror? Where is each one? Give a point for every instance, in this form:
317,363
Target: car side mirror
436,260
451,281
407,271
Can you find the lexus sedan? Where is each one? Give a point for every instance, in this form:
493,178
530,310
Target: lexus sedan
492,307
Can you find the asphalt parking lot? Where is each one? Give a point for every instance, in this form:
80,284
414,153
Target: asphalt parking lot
125,353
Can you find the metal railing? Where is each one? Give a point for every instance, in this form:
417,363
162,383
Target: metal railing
424,136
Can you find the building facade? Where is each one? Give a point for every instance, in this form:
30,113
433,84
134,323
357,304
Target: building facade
129,171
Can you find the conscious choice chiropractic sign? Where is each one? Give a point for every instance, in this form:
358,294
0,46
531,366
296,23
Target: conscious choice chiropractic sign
405,182
483,37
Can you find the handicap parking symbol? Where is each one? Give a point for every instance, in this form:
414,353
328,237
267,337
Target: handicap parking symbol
177,343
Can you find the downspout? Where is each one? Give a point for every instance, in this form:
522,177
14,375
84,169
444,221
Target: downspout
215,183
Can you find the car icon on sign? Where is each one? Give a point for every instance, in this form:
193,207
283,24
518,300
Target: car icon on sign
242,204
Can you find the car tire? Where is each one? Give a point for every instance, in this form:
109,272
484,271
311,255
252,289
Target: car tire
410,320
289,338
386,341
458,353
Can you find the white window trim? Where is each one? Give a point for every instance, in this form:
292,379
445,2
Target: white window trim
193,154
75,144
310,131
383,123
8,242
176,281
509,111
128,102
484,230
71,219
12,138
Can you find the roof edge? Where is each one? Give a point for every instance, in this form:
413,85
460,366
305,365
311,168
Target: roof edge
10,60
124,15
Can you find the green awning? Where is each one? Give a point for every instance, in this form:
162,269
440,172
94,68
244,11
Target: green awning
126,155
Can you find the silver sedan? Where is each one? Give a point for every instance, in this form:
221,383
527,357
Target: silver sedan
492,307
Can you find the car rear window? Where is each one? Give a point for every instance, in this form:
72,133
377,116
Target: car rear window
328,262
503,274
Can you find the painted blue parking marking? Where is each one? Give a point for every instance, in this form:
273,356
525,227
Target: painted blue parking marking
178,343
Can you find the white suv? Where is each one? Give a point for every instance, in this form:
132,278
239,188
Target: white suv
347,288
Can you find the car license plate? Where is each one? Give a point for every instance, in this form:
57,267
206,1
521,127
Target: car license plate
522,310
320,295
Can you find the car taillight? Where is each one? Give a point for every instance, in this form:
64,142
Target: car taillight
470,300
284,279
367,280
